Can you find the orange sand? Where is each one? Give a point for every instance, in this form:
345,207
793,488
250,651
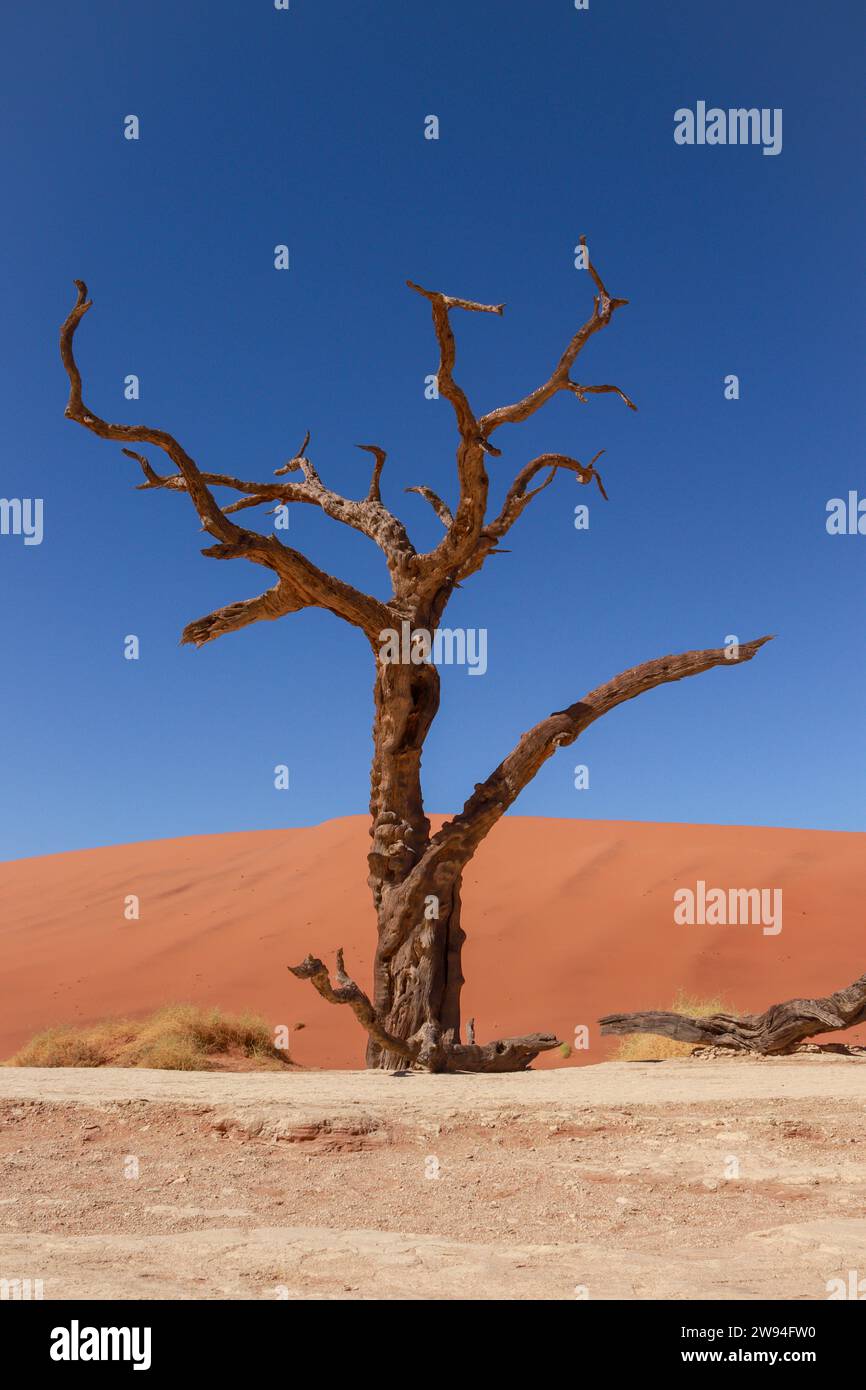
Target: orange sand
566,920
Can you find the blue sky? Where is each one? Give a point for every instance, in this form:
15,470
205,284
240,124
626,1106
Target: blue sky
306,128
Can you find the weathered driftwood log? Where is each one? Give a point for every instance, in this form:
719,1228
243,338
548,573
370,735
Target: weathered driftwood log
780,1029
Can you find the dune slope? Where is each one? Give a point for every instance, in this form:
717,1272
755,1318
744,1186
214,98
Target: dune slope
566,920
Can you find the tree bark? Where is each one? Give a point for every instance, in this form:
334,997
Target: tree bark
777,1030
417,971
418,984
408,968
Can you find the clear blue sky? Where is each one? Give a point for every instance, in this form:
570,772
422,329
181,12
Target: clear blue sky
305,127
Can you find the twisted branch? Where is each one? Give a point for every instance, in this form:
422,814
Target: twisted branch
347,992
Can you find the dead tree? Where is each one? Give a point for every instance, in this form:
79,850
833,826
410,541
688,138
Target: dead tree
415,878
779,1029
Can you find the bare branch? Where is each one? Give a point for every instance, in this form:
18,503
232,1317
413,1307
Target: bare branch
441,303
374,495
299,463
469,540
442,510
154,479
465,526
558,380
458,839
273,604
518,498
211,515
302,584
296,460
451,302
244,503
583,391
347,992
369,517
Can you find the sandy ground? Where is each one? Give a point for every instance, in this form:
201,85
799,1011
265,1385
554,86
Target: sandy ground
683,1179
566,920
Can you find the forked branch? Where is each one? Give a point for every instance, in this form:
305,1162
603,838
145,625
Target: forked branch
347,992
469,540
301,583
425,1050
603,310
447,386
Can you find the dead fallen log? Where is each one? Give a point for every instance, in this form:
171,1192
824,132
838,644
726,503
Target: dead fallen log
777,1030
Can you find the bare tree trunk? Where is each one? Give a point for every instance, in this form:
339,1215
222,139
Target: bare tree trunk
417,973
418,984
410,986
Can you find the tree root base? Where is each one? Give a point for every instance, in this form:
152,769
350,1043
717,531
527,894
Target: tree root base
427,1050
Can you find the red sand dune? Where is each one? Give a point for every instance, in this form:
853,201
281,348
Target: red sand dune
566,920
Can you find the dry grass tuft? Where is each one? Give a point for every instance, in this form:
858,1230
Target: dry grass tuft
648,1047
179,1037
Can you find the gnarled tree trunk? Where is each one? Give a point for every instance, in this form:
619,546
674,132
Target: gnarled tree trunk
410,965
417,985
